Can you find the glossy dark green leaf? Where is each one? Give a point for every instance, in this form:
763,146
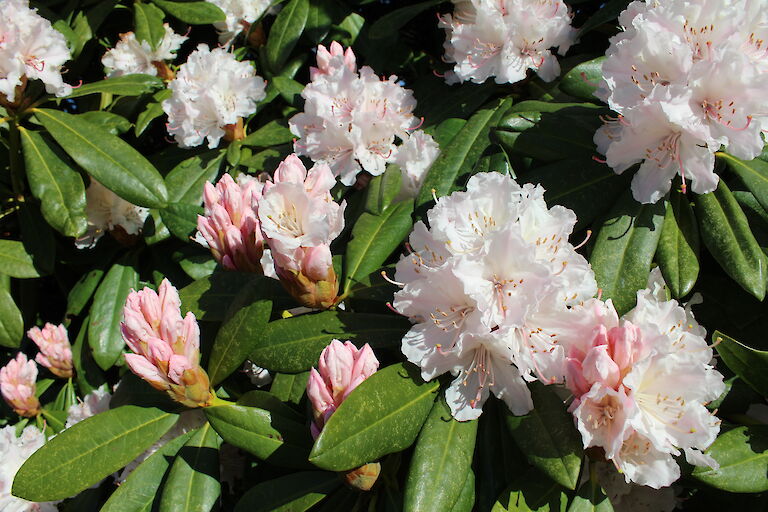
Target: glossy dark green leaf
590,498
725,232
15,261
289,387
11,323
126,85
185,182
148,23
748,363
547,436
624,249
285,33
455,102
754,174
383,189
581,81
111,123
374,239
441,461
181,219
236,339
107,158
138,493
107,312
296,492
88,375
466,501
209,298
55,183
194,13
532,492
83,290
293,345
743,457
152,111
678,249
193,481
271,134
461,155
90,450
608,11
382,415
289,89
270,436
391,22
55,420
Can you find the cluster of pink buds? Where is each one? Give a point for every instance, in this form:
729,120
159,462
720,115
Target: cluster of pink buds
166,346
17,384
55,350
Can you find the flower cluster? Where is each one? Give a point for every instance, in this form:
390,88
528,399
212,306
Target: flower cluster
166,346
506,38
106,211
486,285
17,384
341,368
240,14
55,350
211,94
131,55
685,79
640,385
14,451
30,49
294,214
351,118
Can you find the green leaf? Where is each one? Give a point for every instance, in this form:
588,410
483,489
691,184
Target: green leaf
624,250
194,13
125,85
590,498
464,151
107,312
294,345
749,364
139,491
193,481
296,492
271,134
547,436
107,158
272,437
152,111
185,182
11,323
678,249
15,261
112,123
89,451
754,174
82,291
55,183
382,415
608,12
374,238
148,23
466,501
530,492
391,22
87,373
55,420
289,387
725,232
209,298
289,89
743,457
181,219
441,461
383,189
285,33
237,337
581,81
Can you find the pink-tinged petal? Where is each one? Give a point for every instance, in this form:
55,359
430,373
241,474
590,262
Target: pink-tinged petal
574,377
177,365
318,394
43,360
158,350
291,170
599,367
366,363
190,332
624,342
335,365
36,335
320,180
146,370
317,262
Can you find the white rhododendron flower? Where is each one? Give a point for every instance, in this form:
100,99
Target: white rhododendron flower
30,48
14,451
640,386
211,91
93,403
685,79
352,118
487,286
415,156
106,211
133,56
240,14
505,38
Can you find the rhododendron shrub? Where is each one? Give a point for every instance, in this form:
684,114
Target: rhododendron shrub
344,255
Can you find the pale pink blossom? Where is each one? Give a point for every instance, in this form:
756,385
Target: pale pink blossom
341,368
55,350
131,55
166,347
326,63
14,452
95,402
415,157
17,384
230,227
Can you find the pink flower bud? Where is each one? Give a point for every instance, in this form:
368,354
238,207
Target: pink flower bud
342,367
55,350
17,384
230,227
166,346
329,61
